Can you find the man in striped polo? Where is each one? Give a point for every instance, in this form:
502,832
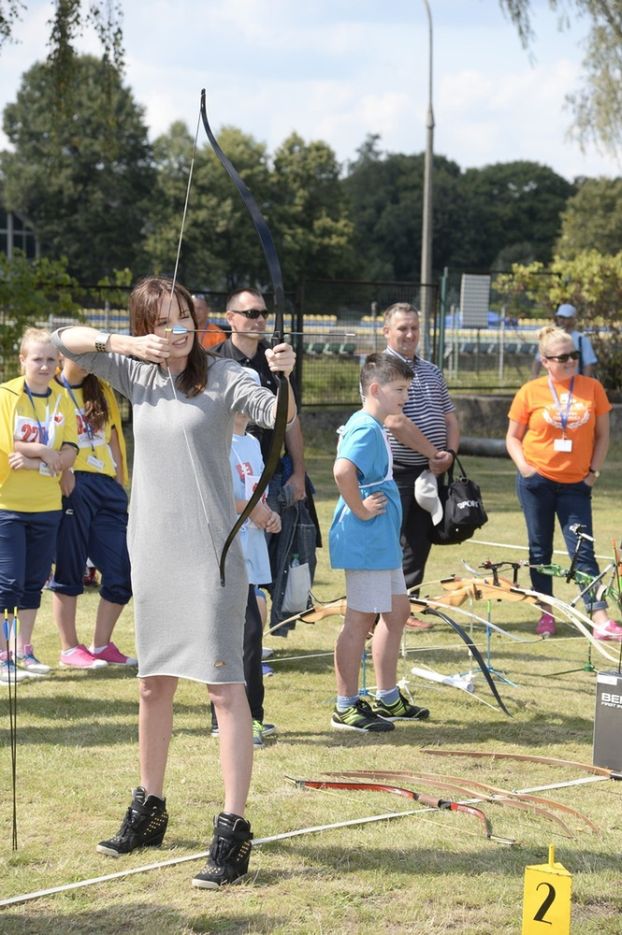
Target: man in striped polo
425,435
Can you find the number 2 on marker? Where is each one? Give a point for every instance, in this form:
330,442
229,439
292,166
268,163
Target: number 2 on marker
546,905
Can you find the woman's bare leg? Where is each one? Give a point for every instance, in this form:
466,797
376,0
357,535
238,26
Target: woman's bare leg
155,725
235,733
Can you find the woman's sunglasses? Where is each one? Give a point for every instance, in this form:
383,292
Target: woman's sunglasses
563,358
252,313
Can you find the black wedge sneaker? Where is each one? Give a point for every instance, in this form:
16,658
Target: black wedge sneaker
144,825
229,852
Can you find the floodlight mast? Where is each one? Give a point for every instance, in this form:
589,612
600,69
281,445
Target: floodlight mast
426,293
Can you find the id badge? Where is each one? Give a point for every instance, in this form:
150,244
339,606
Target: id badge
562,444
97,463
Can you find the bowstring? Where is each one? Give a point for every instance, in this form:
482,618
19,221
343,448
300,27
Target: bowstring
171,379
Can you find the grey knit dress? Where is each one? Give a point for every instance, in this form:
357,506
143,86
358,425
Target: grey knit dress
181,510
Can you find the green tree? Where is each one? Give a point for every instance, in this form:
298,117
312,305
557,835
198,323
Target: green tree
309,212
510,204
590,281
597,105
70,19
592,219
31,292
83,178
386,197
220,247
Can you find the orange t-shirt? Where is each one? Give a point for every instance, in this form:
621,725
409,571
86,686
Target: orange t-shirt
212,336
535,406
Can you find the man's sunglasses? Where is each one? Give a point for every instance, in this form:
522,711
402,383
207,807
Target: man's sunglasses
252,313
563,358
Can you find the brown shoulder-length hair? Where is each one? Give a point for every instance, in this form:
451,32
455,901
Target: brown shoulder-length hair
95,404
144,305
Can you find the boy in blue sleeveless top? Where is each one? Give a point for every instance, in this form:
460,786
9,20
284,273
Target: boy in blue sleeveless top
364,540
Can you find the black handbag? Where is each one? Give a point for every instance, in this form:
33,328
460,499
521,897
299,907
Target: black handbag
463,510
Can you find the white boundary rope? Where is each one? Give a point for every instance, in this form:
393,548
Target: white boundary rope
314,829
525,548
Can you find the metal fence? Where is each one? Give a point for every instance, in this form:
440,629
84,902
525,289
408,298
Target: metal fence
335,324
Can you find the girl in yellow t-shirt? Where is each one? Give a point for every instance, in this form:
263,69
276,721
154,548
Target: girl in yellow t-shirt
558,439
37,442
94,522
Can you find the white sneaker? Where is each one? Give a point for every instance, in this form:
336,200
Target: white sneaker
28,661
9,671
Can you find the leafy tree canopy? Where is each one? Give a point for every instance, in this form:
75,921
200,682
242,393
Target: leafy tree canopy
593,284
83,177
70,19
597,104
592,219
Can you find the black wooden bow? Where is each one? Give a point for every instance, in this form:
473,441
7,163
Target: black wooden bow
276,277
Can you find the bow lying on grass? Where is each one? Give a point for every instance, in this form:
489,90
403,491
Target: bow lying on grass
538,804
421,797
524,757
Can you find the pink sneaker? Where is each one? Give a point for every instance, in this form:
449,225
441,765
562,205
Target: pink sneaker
114,657
80,658
545,626
609,631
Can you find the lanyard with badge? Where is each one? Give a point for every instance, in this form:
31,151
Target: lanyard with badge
563,443
92,459
43,431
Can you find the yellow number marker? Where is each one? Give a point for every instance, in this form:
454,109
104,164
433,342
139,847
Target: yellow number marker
547,898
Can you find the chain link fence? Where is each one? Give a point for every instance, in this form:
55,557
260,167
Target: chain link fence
334,324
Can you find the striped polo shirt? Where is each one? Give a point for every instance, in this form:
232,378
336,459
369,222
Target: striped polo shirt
428,402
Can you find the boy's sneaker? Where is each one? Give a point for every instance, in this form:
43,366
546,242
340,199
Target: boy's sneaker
266,670
400,710
608,631
545,626
257,734
80,658
113,656
229,853
268,729
266,652
360,717
144,825
9,671
28,661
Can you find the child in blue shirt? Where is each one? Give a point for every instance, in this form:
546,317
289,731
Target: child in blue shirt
364,540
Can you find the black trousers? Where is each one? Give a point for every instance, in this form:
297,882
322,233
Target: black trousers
253,671
416,528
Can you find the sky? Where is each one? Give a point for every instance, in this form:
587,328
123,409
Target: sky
338,70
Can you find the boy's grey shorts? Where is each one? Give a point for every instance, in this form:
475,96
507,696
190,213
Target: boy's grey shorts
372,592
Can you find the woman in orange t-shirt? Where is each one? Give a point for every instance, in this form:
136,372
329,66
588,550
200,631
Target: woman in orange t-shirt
558,439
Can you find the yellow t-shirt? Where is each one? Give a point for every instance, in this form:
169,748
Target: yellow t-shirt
29,491
536,407
94,452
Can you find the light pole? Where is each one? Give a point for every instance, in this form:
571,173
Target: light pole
426,225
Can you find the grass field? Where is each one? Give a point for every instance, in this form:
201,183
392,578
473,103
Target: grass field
429,872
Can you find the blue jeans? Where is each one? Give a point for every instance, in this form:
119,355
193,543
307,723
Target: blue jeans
542,500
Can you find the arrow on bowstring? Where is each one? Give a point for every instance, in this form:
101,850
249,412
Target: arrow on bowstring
274,268
428,800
